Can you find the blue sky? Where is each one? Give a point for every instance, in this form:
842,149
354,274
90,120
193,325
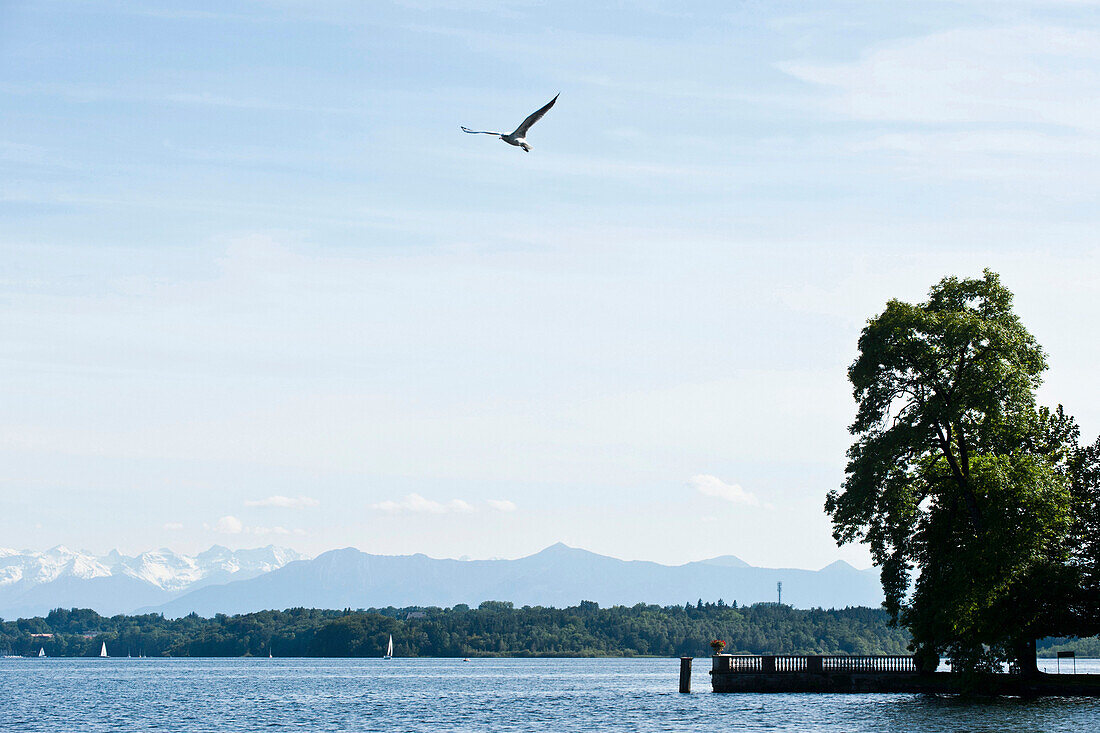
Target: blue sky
258,287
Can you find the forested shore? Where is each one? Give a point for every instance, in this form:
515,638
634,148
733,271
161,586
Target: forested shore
493,629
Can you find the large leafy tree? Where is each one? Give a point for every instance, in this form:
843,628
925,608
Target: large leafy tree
973,500
1084,540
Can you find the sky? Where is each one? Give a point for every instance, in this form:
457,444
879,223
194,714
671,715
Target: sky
257,287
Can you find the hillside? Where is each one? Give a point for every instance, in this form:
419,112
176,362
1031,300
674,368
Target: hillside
494,629
557,576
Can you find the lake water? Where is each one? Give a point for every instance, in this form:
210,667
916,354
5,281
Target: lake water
546,696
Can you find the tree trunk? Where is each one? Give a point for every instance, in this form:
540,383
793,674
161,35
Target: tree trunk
1025,657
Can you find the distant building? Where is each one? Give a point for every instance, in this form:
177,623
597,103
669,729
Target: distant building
41,636
415,614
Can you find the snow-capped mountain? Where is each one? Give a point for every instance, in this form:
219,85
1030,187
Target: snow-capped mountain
237,581
34,568
171,571
31,583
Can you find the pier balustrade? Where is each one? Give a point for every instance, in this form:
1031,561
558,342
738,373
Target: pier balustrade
780,663
739,662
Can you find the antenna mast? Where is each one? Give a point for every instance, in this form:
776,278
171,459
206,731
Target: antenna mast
779,590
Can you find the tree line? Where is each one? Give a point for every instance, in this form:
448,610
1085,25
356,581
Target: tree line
495,628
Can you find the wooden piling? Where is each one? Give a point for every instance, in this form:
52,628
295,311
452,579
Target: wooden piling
685,674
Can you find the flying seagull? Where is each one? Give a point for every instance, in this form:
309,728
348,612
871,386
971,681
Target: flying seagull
519,136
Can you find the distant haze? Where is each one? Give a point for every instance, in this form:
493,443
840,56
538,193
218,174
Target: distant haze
221,581
258,287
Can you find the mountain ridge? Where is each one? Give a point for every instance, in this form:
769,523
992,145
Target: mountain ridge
32,583
220,580
558,575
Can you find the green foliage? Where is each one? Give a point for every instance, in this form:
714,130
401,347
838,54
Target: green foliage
494,629
1085,648
1084,539
958,478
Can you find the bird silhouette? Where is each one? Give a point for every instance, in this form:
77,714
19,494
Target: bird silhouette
518,137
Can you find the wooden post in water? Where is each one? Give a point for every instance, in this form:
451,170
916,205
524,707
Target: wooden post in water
685,674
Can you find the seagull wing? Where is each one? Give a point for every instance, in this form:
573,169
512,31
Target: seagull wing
479,132
534,117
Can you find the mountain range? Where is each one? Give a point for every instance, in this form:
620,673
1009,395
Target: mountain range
238,581
32,583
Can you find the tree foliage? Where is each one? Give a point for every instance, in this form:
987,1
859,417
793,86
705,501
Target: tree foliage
971,498
494,629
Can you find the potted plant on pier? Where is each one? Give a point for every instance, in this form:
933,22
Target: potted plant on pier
718,645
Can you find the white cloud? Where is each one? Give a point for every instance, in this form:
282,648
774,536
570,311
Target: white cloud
502,505
417,504
708,485
1060,165
229,525
267,530
284,502
1001,75
173,525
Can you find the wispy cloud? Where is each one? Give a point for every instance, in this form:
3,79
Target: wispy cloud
417,504
502,505
1003,76
272,530
173,525
232,525
229,525
96,94
284,502
708,485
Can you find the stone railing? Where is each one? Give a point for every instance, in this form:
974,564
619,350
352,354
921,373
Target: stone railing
781,663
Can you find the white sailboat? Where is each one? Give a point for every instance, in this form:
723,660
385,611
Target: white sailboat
103,650
389,649
41,651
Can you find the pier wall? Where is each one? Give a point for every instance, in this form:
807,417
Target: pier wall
735,673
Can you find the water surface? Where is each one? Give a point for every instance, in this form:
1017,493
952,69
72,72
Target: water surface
435,695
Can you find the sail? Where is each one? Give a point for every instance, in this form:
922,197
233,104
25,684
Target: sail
103,650
389,647
41,651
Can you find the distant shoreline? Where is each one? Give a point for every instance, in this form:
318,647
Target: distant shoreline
496,629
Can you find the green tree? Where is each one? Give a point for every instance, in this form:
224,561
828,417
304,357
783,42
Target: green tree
1084,540
498,630
958,478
